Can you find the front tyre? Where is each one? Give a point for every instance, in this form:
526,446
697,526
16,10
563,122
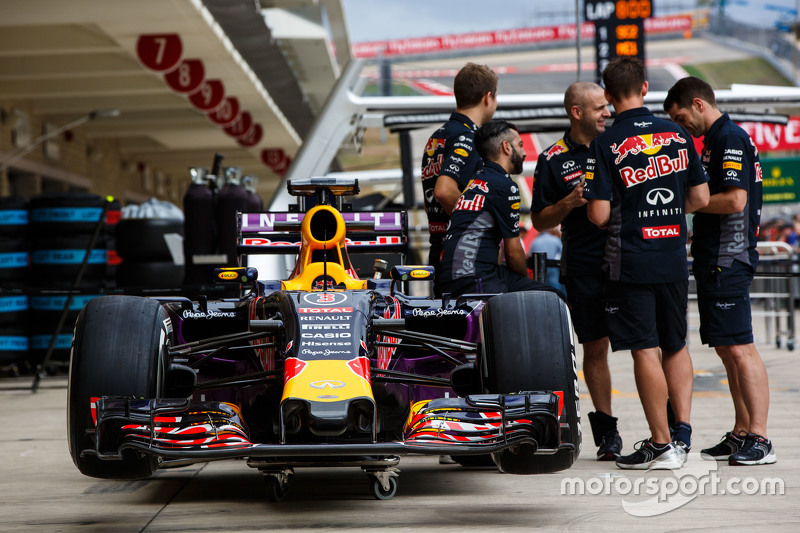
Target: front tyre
527,346
116,351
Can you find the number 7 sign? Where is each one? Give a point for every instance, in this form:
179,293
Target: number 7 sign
160,52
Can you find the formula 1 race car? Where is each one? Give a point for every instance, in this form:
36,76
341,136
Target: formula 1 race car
323,368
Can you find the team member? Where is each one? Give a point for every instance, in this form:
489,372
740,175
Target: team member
486,214
558,199
642,177
450,159
725,259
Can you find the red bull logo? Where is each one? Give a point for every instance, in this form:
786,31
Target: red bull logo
479,184
432,145
476,204
556,149
657,167
642,143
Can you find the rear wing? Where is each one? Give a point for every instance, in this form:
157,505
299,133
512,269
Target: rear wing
279,232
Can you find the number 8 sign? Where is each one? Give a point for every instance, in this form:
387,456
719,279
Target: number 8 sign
160,52
187,78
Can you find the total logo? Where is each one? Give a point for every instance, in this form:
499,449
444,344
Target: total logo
649,144
661,232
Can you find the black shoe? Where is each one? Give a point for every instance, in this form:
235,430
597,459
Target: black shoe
729,445
648,457
756,451
610,447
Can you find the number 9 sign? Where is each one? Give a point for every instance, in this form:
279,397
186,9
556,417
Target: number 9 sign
159,52
208,97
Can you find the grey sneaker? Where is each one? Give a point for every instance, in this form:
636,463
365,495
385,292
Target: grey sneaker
648,457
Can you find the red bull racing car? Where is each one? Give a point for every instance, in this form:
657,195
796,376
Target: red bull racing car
322,368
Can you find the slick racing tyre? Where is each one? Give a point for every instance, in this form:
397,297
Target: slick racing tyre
115,351
527,346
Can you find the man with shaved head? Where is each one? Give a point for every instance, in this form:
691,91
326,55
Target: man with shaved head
558,199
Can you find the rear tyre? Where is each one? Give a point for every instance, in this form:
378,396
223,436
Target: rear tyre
115,351
527,346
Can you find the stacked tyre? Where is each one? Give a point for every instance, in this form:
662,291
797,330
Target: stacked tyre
14,256
147,261
47,310
14,340
62,226
14,269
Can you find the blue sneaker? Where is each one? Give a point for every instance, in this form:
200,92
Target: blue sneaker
756,451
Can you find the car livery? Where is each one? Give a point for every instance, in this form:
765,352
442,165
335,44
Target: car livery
321,367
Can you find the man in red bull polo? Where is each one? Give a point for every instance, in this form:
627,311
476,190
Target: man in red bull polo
642,177
558,199
725,259
450,159
486,214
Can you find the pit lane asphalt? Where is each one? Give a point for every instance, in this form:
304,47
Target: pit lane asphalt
42,491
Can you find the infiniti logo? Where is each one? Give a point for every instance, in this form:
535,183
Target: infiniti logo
568,164
327,383
660,196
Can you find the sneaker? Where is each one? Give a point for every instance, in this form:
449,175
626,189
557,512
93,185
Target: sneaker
730,444
610,446
447,460
648,457
756,451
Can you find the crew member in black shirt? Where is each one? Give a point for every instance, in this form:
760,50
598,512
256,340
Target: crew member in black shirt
642,176
558,199
724,262
486,214
450,159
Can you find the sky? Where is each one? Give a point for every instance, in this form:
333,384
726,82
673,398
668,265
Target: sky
378,20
